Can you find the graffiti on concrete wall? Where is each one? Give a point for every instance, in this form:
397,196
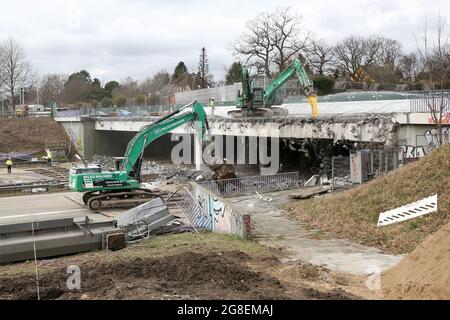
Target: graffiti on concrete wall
222,216
204,214
431,138
412,152
445,118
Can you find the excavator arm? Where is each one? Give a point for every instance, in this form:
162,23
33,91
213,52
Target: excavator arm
296,68
133,156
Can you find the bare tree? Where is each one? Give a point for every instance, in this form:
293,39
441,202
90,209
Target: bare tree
16,71
286,36
320,56
355,54
255,46
271,38
409,67
159,80
384,68
52,88
434,55
127,88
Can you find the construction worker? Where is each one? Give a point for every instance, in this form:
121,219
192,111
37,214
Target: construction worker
212,104
9,165
49,158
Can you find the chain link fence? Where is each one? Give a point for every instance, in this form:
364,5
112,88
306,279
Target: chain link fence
363,166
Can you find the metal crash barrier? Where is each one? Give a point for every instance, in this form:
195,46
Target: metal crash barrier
248,185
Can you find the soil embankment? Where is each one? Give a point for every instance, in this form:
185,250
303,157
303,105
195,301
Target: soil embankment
424,273
30,134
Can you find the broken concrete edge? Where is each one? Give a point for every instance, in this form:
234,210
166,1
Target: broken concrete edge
225,217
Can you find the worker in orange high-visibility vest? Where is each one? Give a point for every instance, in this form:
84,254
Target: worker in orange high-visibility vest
9,165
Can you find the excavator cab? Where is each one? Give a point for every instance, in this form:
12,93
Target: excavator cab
258,97
118,163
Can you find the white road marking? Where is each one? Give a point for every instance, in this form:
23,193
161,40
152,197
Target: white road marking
41,214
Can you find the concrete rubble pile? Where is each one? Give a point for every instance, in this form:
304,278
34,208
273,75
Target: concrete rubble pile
169,171
166,171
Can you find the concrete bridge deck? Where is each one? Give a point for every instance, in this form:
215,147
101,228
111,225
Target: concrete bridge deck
384,122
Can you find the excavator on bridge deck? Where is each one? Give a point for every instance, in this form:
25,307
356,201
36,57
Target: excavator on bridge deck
257,102
121,188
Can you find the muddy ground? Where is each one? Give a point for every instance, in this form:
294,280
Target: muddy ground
184,266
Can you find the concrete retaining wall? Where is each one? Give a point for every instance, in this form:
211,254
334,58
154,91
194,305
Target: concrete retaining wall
224,218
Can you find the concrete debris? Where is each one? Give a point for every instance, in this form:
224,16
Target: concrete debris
375,119
160,171
310,192
152,186
316,180
173,229
200,178
263,198
343,182
140,221
169,171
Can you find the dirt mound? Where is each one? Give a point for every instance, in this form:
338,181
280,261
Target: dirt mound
30,134
423,274
190,275
210,276
354,214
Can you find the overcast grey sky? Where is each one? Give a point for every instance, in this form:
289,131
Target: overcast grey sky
113,39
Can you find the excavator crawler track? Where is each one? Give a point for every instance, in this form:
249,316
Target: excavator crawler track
125,199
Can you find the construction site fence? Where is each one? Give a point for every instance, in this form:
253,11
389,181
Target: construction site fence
290,92
364,166
431,100
220,94
254,184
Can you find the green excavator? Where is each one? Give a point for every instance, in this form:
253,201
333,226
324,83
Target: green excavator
257,102
121,187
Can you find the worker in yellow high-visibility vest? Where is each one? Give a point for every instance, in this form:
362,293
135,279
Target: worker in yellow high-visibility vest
49,158
9,165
